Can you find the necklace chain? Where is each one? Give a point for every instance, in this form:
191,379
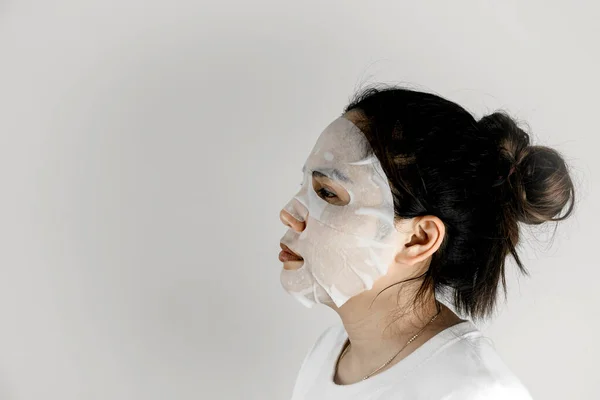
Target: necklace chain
398,352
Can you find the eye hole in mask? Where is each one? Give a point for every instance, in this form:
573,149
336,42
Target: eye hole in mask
329,190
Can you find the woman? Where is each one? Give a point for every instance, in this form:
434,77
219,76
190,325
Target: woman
407,199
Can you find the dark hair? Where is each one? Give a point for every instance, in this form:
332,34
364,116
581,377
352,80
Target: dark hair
481,178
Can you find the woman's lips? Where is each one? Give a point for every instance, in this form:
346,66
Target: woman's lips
287,255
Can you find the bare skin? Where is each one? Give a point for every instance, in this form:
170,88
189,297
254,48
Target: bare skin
376,332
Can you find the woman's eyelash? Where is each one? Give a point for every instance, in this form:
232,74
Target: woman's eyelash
326,193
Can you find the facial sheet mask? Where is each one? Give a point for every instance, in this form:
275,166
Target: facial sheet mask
345,247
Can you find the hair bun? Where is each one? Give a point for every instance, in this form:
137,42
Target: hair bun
536,176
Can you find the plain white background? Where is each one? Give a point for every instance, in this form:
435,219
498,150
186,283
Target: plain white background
146,149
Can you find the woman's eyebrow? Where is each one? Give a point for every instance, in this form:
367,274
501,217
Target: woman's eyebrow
330,173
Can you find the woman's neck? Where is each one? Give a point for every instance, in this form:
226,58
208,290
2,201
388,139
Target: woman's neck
378,327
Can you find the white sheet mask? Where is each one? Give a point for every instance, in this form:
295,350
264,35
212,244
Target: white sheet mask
345,247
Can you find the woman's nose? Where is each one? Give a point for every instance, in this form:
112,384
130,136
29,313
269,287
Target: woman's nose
291,222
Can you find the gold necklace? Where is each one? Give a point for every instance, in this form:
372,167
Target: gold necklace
395,355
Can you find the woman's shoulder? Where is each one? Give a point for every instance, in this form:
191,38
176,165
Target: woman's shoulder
470,367
459,363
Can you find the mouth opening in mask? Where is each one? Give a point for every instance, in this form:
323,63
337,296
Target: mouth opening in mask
289,256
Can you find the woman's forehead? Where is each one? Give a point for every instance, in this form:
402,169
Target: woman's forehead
341,142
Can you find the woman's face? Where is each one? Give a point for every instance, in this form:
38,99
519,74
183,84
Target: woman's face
341,220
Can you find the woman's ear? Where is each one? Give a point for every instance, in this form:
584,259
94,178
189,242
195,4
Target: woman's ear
425,238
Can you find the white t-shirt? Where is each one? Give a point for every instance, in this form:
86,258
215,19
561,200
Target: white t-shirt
458,363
